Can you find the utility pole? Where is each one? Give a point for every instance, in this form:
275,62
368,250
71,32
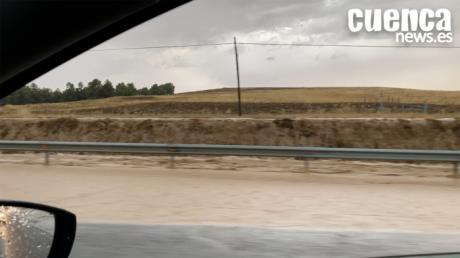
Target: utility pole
238,76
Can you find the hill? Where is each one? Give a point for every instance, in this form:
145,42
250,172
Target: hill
319,101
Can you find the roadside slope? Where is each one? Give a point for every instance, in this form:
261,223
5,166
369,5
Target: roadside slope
342,133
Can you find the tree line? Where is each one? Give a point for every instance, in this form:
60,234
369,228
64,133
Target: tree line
95,89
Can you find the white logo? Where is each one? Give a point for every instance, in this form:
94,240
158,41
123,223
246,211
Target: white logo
410,25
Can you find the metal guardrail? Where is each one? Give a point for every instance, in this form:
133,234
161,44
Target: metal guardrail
236,150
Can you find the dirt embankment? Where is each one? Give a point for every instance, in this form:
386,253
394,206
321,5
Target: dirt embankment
230,108
352,133
212,108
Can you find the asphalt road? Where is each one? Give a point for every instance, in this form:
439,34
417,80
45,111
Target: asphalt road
135,241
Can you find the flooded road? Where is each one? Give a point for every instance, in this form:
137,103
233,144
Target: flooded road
242,197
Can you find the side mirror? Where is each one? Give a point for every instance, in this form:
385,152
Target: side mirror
35,230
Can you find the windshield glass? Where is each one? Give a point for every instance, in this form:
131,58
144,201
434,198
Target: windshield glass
254,128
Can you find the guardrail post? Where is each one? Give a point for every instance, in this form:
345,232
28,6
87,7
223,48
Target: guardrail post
46,154
47,158
172,163
456,174
172,158
306,166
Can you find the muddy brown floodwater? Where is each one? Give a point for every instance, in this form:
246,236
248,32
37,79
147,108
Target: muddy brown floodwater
239,191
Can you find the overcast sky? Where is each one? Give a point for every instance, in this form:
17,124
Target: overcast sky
267,21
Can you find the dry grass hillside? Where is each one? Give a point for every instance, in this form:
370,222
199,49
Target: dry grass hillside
321,95
309,102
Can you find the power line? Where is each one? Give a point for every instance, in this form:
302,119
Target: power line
160,47
277,44
343,45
